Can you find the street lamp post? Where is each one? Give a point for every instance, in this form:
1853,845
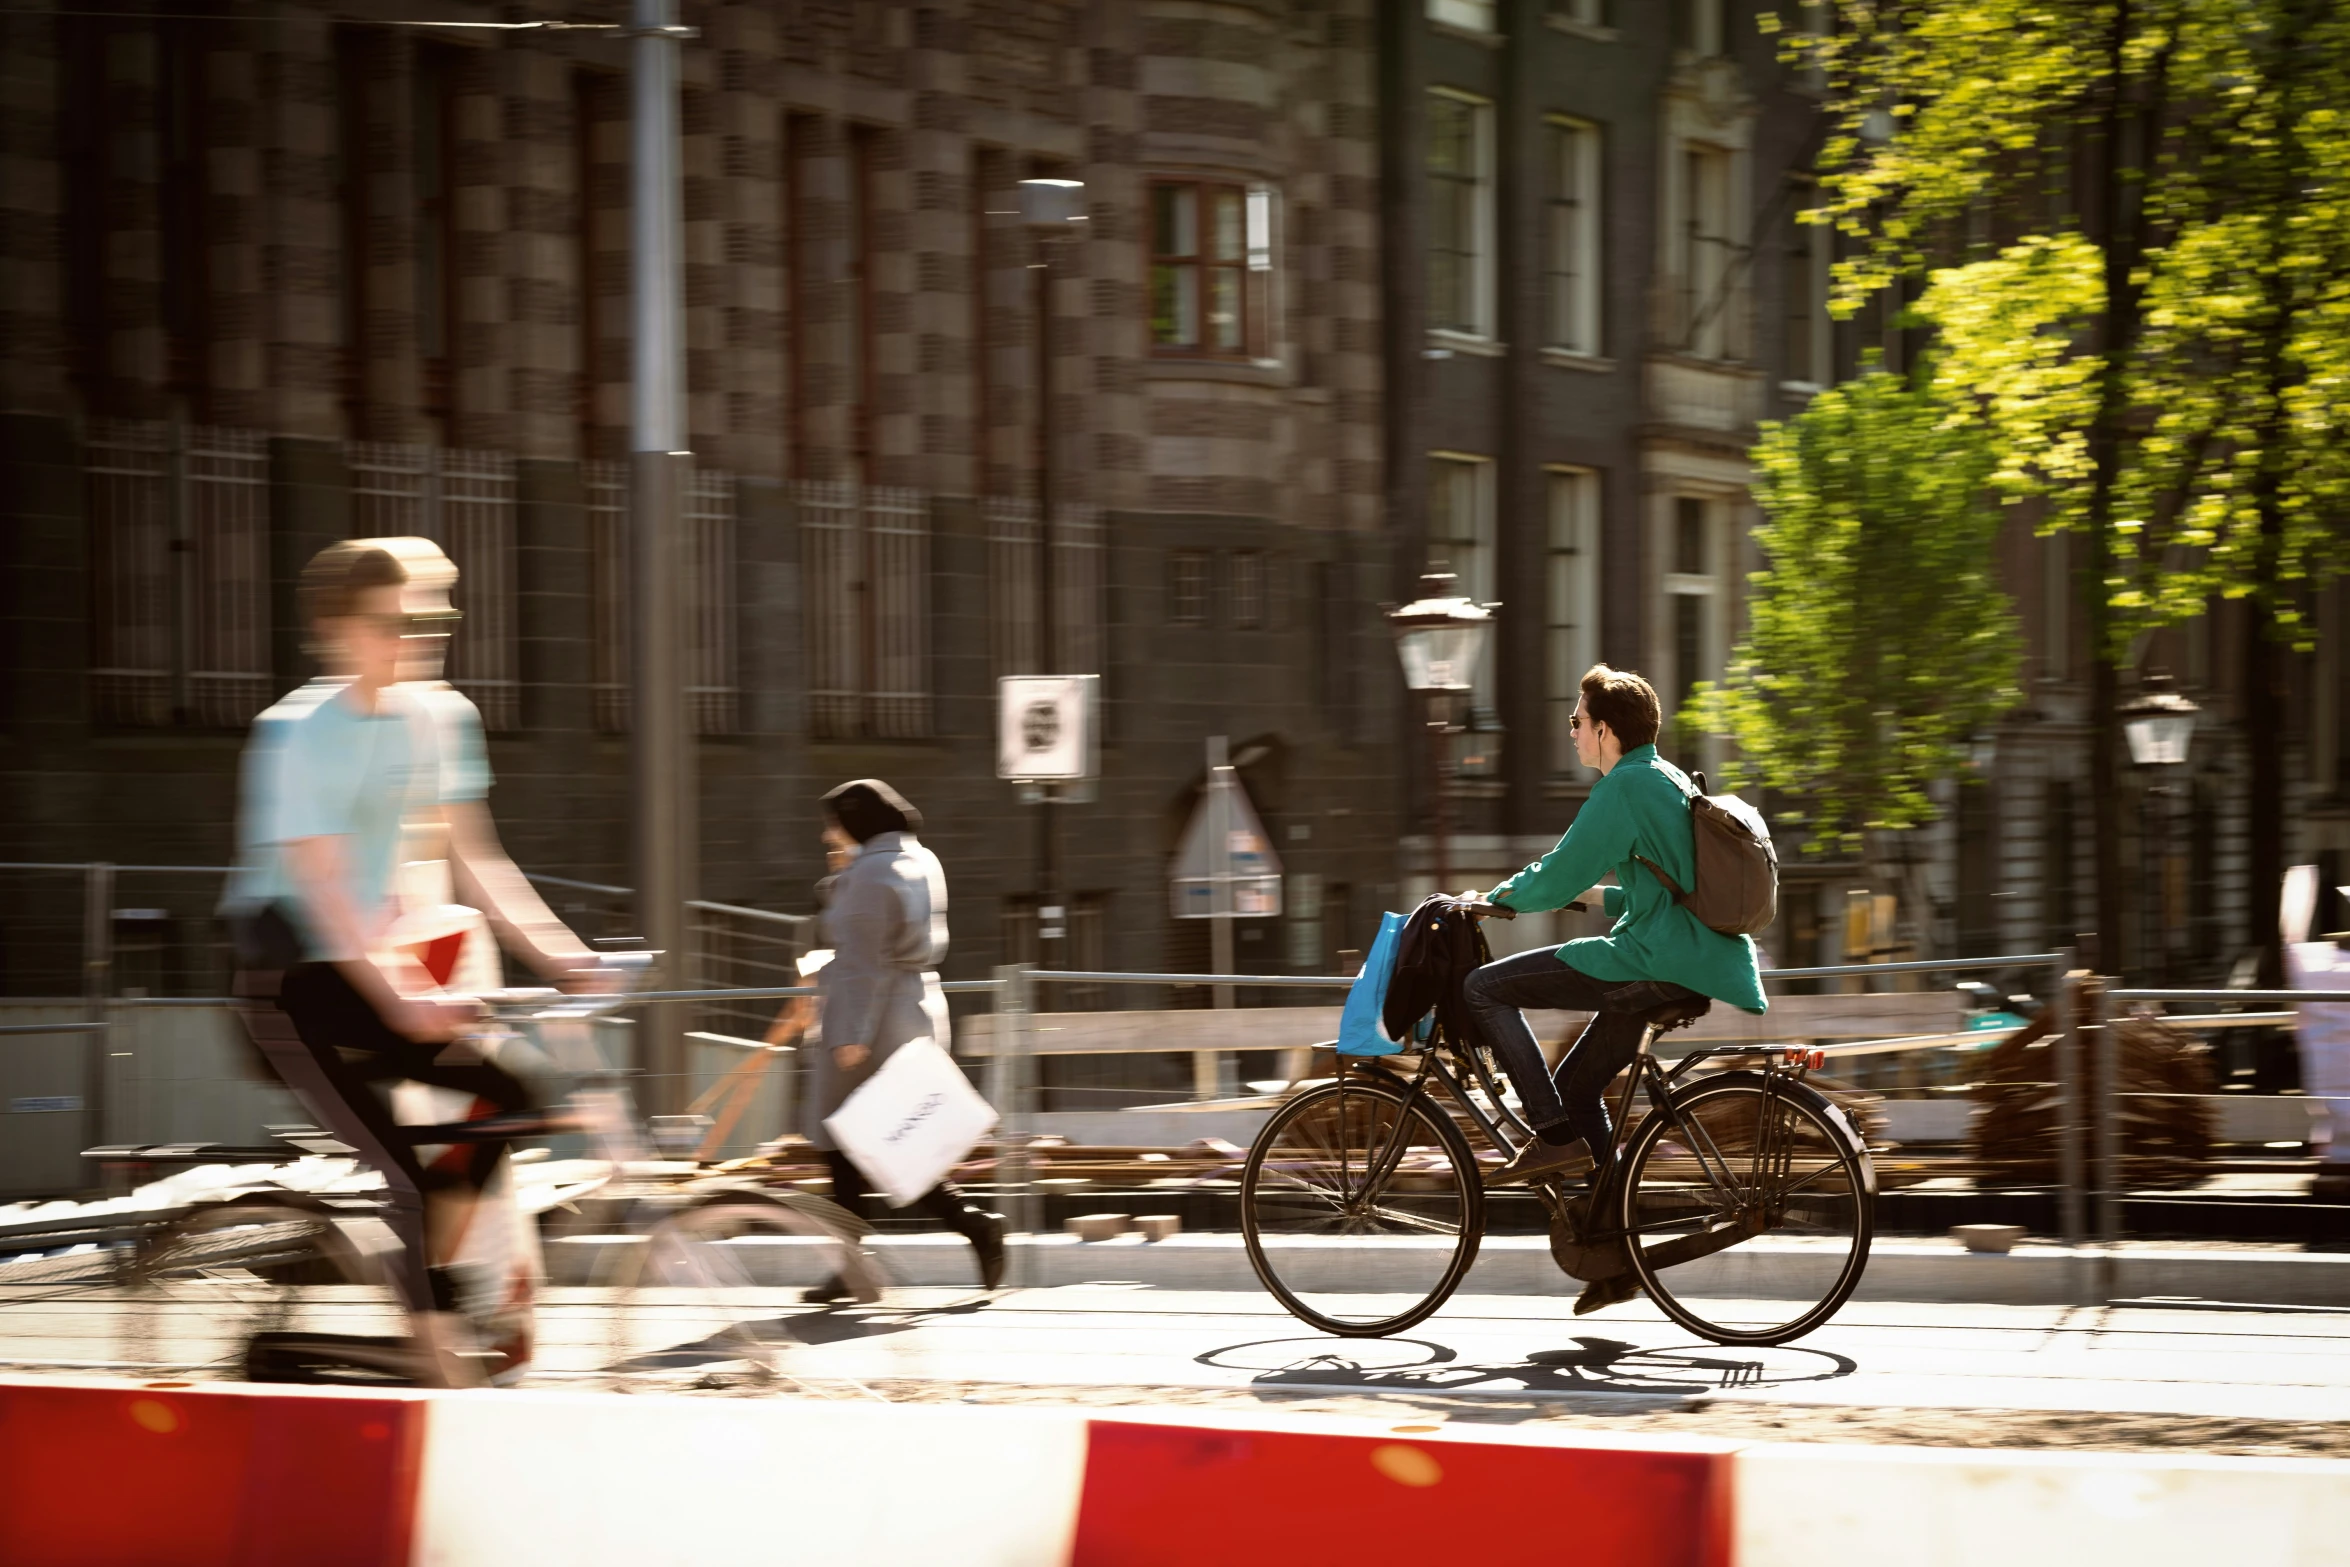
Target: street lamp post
2158,724
1051,211
667,836
1440,636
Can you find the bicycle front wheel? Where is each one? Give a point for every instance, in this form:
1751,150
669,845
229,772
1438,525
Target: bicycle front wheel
1751,1219
714,1282
1359,1161
216,1285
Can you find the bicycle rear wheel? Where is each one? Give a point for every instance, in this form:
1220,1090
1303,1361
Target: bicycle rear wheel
208,1286
1353,1161
1753,1217
714,1282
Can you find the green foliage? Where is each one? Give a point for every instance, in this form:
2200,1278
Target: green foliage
2196,335
1880,639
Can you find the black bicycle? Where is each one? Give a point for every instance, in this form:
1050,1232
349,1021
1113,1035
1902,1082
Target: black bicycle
1742,1201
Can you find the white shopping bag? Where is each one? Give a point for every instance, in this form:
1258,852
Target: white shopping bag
911,1122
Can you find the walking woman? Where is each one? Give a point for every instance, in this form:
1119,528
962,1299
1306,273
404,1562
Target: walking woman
886,922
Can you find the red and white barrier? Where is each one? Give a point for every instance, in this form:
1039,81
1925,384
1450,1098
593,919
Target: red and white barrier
94,1474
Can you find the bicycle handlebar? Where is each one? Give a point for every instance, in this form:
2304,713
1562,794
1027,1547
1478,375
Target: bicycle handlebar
1478,908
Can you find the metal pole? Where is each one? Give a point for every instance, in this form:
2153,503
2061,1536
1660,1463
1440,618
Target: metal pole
2068,1104
2109,1160
1050,912
667,836
1015,1005
1207,1066
97,983
1439,776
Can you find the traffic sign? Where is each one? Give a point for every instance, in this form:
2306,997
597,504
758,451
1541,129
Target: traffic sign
1048,726
1226,867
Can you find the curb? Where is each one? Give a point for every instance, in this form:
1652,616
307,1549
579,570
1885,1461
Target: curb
1924,1272
140,1473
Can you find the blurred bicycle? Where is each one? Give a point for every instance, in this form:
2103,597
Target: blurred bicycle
288,1281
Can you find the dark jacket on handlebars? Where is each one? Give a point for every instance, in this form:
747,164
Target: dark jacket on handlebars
1440,944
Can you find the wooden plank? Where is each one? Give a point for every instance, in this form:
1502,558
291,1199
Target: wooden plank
1194,1029
1290,1028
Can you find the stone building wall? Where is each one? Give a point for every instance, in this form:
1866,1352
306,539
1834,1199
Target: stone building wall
335,232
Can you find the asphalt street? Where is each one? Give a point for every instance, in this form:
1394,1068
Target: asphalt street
2251,1364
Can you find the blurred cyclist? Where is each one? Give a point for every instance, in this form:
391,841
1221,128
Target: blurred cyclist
332,775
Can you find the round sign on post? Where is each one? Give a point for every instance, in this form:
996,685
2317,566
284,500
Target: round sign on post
1045,726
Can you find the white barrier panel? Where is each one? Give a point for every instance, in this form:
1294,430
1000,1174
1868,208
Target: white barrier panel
1941,1507
588,1479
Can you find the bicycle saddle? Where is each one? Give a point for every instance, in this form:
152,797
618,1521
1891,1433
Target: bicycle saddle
1677,1014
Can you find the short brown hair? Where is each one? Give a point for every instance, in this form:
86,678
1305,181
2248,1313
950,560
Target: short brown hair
338,574
1625,703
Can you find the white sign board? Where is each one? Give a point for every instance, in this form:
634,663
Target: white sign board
1226,867
1047,726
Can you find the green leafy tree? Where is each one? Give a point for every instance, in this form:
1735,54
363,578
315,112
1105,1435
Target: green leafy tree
2125,219
1880,639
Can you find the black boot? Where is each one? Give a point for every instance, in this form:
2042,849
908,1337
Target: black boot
946,1203
829,1293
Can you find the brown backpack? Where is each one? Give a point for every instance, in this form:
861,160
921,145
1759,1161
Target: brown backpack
1737,891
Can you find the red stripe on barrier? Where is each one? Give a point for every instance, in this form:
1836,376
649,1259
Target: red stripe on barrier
1180,1495
137,1476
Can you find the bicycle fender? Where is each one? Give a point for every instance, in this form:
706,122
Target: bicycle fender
1808,1095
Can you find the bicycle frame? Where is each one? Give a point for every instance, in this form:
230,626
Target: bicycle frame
1772,1156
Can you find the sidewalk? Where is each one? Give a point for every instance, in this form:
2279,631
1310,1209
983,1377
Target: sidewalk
1925,1271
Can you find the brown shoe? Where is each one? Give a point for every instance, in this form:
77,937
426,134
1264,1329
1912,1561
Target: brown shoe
1541,1161
1600,1294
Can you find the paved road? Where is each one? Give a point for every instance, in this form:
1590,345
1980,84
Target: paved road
2282,1366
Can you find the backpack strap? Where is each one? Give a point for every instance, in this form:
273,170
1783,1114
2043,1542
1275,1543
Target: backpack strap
1657,871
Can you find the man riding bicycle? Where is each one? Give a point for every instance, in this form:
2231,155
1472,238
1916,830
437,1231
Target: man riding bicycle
1635,822
333,775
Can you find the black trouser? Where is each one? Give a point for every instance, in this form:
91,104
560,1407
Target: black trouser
1578,1099
332,1055
944,1202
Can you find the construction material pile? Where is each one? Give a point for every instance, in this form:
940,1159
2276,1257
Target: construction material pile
2161,1074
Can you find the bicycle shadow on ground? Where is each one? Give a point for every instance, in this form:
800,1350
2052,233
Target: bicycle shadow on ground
1654,1374
807,1328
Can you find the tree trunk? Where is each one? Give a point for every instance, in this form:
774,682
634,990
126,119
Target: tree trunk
2264,739
2121,240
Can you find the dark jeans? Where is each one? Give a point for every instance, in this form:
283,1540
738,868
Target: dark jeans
1578,1099
944,1202
331,1049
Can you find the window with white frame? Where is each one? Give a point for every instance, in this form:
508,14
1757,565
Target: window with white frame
1461,538
1571,604
1460,213
1589,13
1708,249
1211,286
1803,283
1693,586
1476,16
1571,236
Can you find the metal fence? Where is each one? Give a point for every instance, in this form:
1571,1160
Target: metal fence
132,1040
1080,580
179,523
711,586
464,502
865,598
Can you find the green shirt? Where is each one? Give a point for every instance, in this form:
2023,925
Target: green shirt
1640,807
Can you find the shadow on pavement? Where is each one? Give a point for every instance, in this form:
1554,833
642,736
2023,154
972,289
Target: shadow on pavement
1670,1373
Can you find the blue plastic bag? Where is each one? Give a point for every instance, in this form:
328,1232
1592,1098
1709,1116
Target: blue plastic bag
1359,1030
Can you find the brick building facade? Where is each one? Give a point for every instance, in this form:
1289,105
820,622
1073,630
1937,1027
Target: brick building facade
272,283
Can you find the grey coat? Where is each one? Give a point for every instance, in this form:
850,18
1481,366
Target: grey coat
886,923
